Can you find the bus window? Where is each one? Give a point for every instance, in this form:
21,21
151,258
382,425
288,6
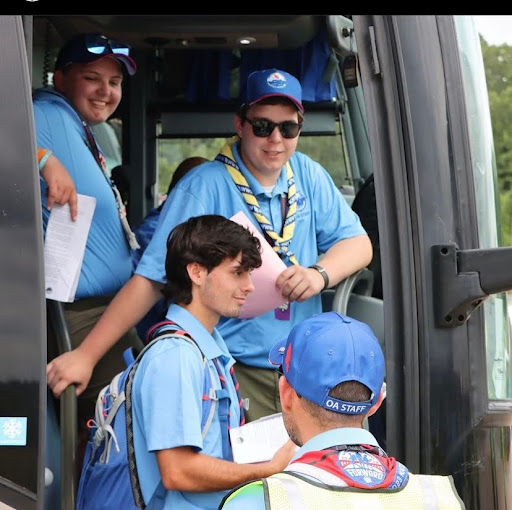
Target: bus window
171,152
327,150
497,333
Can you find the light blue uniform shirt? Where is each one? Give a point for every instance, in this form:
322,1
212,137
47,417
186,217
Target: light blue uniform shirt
144,232
323,218
167,406
251,497
107,262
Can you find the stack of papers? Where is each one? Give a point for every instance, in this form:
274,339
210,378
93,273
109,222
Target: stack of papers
258,440
64,248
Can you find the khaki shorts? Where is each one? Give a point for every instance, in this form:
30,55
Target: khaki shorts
261,387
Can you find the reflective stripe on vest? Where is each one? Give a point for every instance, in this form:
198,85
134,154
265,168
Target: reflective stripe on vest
288,491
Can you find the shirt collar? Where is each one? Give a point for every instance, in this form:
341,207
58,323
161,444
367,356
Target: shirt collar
212,345
335,437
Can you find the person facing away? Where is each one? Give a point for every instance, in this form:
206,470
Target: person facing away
145,229
144,232
88,76
285,194
208,275
332,379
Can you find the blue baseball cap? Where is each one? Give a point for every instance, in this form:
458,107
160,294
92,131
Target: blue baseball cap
325,350
273,82
85,48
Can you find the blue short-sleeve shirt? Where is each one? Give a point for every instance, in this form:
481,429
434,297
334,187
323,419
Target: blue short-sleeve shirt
323,218
107,262
167,406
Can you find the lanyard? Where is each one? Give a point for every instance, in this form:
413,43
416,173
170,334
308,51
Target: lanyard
98,156
280,244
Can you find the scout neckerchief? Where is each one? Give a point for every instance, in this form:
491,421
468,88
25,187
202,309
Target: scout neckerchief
98,156
281,244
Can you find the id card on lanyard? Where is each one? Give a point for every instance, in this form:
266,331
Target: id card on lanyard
282,312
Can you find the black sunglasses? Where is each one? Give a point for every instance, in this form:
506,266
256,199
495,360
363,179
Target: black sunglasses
99,44
280,370
262,128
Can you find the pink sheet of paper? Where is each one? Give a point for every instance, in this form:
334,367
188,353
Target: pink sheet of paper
265,297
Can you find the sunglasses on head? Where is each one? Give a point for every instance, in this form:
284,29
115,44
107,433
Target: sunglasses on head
99,45
262,128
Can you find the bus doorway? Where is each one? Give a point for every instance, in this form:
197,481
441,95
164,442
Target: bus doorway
405,106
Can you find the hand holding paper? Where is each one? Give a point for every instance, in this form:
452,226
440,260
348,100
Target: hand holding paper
266,296
259,440
64,248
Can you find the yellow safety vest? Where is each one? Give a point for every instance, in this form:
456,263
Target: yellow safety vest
292,491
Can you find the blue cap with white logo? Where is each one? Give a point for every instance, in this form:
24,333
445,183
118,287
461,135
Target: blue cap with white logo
325,350
273,82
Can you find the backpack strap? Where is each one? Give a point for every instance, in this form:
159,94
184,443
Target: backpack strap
167,329
160,329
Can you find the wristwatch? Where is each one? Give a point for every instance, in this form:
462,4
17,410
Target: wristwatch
324,274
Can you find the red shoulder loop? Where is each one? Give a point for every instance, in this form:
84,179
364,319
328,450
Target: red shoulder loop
153,328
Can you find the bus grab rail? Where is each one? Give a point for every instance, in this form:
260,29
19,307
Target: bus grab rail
68,413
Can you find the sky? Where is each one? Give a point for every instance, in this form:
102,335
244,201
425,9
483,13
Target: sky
496,30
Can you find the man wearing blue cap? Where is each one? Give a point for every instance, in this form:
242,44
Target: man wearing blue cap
289,198
88,78
333,376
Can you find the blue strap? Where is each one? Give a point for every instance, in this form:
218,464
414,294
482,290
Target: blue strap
157,501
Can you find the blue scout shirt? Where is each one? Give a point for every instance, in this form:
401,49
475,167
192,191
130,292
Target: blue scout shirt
107,262
167,406
144,232
323,218
251,497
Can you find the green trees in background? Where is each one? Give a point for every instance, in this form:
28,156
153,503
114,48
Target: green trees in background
173,152
498,71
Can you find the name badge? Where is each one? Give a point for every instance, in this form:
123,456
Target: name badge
282,312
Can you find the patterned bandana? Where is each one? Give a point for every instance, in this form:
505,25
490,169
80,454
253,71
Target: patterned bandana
281,243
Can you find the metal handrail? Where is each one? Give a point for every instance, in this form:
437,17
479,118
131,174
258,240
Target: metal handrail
68,413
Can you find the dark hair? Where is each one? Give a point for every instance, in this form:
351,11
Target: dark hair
181,170
207,240
349,391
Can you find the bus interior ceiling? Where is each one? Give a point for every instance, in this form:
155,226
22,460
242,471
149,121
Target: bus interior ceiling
191,68
167,39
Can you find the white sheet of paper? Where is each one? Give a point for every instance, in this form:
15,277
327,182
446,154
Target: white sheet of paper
64,248
259,440
265,297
